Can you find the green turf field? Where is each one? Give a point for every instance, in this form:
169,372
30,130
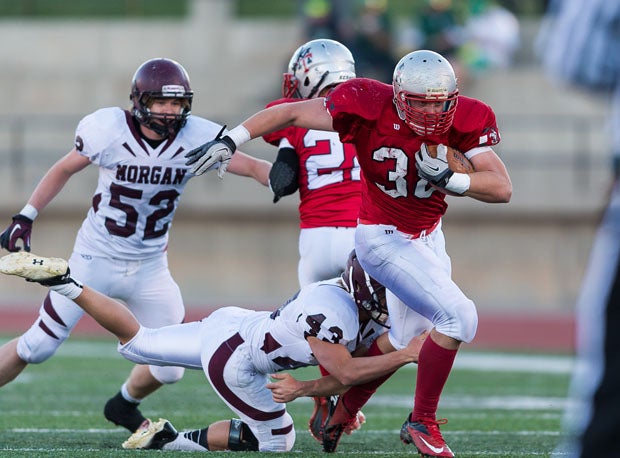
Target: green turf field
498,405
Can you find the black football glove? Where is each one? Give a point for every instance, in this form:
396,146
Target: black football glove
20,228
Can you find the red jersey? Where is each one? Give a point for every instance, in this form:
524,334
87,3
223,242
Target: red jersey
363,113
329,176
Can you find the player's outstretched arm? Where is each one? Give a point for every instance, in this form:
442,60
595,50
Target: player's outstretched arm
247,166
286,388
337,360
310,114
19,231
307,113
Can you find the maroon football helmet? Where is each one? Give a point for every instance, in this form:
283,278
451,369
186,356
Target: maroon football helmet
368,293
161,78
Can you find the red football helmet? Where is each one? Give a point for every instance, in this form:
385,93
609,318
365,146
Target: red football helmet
368,293
161,78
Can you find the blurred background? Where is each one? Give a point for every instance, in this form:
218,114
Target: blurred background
230,245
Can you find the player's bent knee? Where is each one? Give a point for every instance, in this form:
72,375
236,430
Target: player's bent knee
241,438
38,344
281,439
460,325
167,374
468,319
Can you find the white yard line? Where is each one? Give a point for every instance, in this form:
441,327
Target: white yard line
470,360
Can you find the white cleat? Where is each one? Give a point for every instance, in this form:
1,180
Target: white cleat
32,267
154,437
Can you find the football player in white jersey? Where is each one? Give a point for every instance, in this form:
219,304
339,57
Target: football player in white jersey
120,249
238,349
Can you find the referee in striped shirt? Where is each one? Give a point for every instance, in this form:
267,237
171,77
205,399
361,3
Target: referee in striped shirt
580,44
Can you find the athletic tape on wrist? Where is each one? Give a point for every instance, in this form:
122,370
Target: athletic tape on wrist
239,135
29,212
458,183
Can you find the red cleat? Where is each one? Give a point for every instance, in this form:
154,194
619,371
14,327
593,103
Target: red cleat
319,417
426,436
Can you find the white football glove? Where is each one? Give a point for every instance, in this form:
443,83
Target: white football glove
434,170
204,157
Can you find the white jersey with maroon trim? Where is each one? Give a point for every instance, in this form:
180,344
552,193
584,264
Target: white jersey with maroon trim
139,186
324,310
271,341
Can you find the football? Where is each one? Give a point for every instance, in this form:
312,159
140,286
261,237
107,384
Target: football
457,161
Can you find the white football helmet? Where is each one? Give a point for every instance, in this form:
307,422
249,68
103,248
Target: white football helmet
316,65
425,76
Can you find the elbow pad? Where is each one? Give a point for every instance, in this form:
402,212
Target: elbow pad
284,174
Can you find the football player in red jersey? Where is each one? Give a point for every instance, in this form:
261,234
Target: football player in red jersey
326,173
316,162
121,247
399,240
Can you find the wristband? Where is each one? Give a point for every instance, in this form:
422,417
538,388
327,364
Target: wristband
239,135
29,212
458,183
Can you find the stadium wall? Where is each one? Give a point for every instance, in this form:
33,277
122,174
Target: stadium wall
229,243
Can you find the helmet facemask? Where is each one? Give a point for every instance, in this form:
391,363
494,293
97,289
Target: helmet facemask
164,124
424,122
290,86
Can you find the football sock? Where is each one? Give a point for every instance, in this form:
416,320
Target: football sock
127,396
354,399
434,366
195,440
70,290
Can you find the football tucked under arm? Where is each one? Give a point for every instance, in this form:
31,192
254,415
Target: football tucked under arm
444,167
457,162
